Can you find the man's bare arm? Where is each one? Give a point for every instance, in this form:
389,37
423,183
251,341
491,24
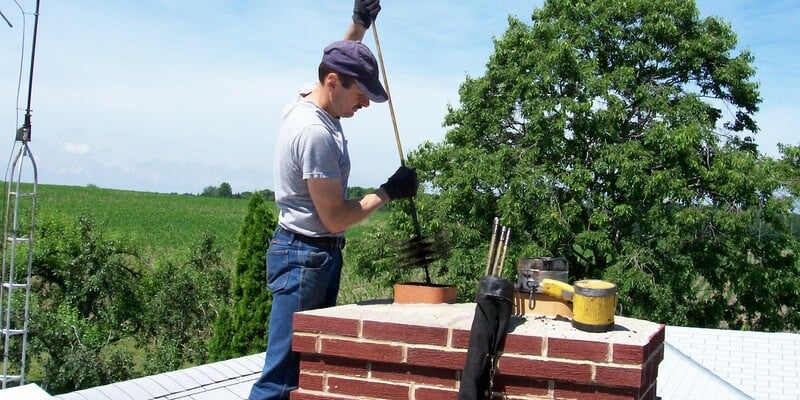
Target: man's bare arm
338,213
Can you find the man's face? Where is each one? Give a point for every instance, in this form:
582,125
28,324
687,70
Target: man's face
346,101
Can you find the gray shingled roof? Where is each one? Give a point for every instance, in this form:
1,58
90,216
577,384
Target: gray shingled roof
761,364
709,364
222,380
30,391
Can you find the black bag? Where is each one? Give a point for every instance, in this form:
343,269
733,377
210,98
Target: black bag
492,312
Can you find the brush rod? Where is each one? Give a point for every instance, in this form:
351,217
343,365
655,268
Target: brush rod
388,94
412,206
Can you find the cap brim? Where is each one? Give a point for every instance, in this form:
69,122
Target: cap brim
373,90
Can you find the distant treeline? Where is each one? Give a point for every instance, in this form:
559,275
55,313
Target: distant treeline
224,190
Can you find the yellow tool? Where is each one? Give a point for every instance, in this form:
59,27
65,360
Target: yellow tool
593,302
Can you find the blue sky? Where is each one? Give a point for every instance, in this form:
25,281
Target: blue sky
174,96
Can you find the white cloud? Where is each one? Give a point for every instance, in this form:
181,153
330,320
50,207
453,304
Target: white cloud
76,148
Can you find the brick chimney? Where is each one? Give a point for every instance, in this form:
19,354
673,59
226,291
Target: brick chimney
417,351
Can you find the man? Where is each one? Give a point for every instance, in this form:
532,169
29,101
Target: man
304,259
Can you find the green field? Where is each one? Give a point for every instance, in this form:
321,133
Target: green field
171,225
159,224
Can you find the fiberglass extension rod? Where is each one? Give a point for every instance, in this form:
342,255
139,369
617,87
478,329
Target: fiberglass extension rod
413,207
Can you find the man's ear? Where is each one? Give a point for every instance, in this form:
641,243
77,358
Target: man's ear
331,80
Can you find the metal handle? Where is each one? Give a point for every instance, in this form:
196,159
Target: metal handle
532,285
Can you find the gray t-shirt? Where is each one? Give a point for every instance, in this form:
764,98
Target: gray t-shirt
310,145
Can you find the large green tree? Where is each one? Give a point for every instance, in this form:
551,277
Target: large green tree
241,326
790,163
619,135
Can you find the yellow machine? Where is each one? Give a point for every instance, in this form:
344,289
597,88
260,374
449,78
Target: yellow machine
593,302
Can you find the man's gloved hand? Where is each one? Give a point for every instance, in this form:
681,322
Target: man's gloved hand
365,11
402,185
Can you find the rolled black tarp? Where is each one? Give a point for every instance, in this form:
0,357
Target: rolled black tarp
494,305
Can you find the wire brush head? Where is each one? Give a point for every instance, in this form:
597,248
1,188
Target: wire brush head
421,251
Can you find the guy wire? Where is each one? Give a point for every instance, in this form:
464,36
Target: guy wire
21,57
19,83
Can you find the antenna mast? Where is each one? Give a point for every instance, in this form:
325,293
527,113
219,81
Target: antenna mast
18,234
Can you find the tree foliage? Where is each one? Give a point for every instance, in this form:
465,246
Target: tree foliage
618,135
223,190
241,327
101,314
182,300
87,302
790,165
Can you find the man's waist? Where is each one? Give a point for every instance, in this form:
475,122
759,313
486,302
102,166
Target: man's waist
334,242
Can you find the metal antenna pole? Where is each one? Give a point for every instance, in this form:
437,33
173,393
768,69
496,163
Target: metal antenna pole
24,132
19,227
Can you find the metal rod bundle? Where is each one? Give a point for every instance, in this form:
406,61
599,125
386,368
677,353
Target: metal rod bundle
498,248
493,309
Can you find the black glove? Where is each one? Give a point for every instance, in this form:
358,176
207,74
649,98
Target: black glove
365,11
402,185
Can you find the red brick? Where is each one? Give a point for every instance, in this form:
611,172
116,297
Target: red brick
406,373
651,366
627,354
655,340
658,355
460,339
436,358
638,354
619,377
586,392
545,369
394,361
521,386
427,393
302,394
362,350
304,344
312,381
325,325
577,349
521,344
365,388
336,365
404,333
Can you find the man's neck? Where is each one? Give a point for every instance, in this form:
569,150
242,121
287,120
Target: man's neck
321,98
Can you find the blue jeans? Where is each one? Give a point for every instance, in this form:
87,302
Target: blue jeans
301,277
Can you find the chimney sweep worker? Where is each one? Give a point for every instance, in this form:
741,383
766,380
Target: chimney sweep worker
312,165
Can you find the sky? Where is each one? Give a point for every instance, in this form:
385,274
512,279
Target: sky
174,96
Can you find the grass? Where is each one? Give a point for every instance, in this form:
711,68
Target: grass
355,288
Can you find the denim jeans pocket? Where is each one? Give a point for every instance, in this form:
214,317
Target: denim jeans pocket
316,259
277,268
287,266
